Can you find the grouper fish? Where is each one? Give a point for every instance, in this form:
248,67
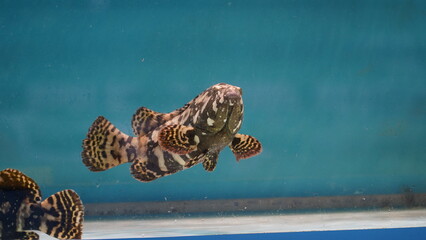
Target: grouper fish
22,212
166,143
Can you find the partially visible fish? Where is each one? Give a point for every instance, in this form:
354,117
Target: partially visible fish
22,211
170,142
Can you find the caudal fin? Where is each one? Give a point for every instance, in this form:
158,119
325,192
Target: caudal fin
105,146
63,215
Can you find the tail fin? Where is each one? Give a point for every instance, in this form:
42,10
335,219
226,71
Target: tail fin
63,215
106,146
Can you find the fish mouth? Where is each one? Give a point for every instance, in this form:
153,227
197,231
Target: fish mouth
229,92
233,96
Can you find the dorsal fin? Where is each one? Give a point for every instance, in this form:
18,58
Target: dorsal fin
12,179
145,120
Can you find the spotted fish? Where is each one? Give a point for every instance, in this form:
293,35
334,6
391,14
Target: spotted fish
22,211
166,143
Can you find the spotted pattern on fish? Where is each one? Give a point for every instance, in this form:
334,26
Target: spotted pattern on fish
166,143
21,210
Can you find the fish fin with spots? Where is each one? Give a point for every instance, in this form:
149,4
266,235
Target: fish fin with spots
145,171
210,161
245,146
105,146
178,139
193,161
60,215
12,179
145,120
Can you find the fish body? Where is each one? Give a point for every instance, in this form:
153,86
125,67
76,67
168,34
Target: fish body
22,212
166,143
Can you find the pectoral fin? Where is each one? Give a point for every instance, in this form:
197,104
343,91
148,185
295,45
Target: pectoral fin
245,146
178,139
210,161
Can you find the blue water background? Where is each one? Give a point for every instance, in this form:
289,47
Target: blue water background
335,91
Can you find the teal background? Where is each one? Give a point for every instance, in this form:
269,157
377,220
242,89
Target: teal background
335,91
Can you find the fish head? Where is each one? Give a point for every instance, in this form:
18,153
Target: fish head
219,108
